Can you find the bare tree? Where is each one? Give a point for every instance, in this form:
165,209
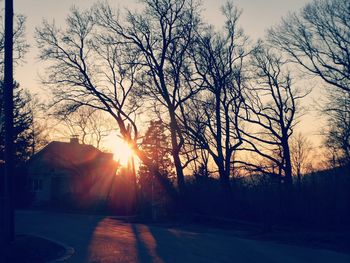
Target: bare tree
20,46
212,120
89,66
160,35
39,129
89,124
300,152
338,133
318,38
271,109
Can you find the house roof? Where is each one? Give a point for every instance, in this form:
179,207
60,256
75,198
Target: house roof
69,155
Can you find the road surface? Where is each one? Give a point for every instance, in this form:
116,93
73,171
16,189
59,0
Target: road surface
98,239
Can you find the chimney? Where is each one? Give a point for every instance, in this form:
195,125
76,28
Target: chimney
74,139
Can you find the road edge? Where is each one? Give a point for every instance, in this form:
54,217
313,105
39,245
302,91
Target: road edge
69,251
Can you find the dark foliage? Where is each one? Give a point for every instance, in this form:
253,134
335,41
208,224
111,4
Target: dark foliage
23,141
23,122
262,199
156,144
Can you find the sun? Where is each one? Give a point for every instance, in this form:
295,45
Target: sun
122,152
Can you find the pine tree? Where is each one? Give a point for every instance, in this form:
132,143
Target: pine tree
22,116
155,143
24,140
23,125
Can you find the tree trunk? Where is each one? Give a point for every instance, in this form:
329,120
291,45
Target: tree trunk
224,178
288,176
179,172
175,153
299,178
288,164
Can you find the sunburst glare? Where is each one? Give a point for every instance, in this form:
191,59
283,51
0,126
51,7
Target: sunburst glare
122,152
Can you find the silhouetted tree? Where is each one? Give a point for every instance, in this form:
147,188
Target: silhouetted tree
41,129
338,133
22,119
212,116
89,124
300,152
160,35
317,38
92,66
271,109
156,144
23,125
20,45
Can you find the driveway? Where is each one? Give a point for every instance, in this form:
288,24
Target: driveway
98,239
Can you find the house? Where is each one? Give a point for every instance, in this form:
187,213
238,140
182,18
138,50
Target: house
70,171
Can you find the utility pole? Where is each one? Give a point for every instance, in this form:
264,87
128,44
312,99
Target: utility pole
9,228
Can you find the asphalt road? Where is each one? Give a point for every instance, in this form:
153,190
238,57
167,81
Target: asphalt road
99,239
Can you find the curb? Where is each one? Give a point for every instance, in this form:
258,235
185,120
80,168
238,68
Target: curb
67,254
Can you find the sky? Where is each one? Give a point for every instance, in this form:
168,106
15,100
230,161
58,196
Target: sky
257,17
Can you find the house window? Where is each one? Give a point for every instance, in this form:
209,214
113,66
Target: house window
37,185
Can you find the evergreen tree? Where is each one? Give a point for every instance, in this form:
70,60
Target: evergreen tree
23,125
23,119
23,134
155,143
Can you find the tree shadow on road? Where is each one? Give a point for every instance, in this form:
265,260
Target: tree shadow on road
144,244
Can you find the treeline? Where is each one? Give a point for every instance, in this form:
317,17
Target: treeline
228,106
